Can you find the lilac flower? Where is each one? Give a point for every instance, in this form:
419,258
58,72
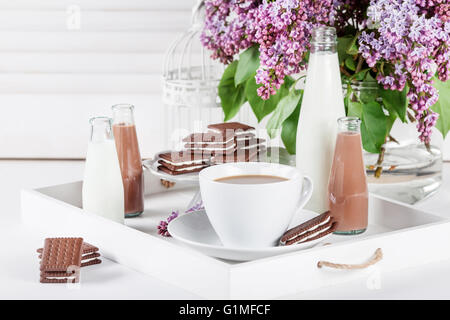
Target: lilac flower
406,42
406,39
162,227
227,31
163,224
282,30
197,207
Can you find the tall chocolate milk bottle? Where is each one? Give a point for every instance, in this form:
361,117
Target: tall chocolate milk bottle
322,104
129,158
347,190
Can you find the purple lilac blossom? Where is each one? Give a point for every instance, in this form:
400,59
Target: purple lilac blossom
197,207
163,224
162,227
413,44
407,42
283,30
228,28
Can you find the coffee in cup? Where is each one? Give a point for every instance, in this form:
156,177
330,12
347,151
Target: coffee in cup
251,204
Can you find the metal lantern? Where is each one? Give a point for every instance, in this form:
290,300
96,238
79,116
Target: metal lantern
191,79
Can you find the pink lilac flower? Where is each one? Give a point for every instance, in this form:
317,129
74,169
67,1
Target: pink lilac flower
163,224
407,41
410,45
227,30
197,207
282,30
162,227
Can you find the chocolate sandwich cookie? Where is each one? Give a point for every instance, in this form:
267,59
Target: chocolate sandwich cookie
230,128
250,143
183,166
237,156
61,257
90,262
89,257
207,144
244,136
212,151
58,280
182,162
310,230
177,172
178,159
87,248
201,145
208,137
238,130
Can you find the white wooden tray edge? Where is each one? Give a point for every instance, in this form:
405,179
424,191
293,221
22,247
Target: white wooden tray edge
265,278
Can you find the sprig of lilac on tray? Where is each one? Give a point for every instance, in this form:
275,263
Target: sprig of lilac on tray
162,227
163,224
196,207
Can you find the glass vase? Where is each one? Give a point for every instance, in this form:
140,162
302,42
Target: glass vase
409,171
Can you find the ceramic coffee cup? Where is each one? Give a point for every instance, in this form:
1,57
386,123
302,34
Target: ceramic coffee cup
252,215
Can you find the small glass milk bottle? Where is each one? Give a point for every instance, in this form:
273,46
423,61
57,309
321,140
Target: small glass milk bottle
102,185
347,189
129,158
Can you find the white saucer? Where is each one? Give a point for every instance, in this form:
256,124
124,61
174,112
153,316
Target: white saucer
195,231
187,178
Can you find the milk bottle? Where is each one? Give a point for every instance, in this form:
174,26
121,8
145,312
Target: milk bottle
102,185
322,105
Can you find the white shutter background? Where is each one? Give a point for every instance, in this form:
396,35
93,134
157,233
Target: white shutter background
58,69
55,73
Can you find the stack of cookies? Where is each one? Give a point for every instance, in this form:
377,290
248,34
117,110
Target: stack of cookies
247,147
224,142
62,258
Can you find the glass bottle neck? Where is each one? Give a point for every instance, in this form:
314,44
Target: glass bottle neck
101,129
320,48
349,124
324,40
123,114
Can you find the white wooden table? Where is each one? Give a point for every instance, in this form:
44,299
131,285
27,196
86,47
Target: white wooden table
19,271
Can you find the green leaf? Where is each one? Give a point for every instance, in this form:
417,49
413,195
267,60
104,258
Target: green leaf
342,46
395,101
362,75
390,122
373,127
231,96
442,107
350,63
368,95
247,65
284,109
354,109
347,98
260,107
352,49
289,130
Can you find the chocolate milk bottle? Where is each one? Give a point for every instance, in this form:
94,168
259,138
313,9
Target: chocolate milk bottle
347,188
129,158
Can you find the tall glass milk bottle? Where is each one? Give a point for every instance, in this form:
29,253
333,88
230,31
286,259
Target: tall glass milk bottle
102,185
322,104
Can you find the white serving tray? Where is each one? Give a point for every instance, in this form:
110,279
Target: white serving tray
407,236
